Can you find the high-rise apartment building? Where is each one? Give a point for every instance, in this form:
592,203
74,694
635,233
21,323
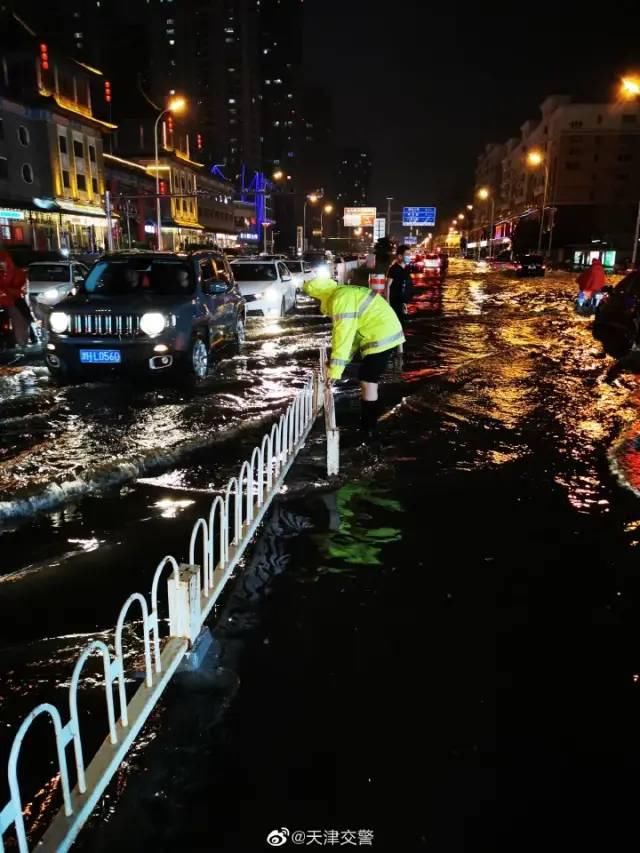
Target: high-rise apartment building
354,177
206,50
280,44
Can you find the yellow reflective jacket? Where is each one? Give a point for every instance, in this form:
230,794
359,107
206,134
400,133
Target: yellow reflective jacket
362,321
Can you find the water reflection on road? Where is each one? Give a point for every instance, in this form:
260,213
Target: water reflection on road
499,379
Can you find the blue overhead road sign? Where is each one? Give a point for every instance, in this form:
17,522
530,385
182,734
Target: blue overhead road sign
419,216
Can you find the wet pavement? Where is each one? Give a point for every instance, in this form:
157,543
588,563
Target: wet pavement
443,648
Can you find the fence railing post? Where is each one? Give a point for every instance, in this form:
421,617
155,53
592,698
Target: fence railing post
325,394
184,602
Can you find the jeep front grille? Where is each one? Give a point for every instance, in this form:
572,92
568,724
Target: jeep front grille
105,325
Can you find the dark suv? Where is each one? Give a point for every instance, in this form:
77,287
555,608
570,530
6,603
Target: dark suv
147,312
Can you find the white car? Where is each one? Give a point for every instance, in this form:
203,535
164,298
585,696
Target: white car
49,282
301,271
268,287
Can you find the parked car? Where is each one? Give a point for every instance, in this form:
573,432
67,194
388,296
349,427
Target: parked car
300,270
149,313
48,282
432,266
267,286
529,265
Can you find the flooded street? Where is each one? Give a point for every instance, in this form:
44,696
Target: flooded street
443,648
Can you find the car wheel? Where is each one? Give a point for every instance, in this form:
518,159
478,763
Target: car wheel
239,335
197,363
61,375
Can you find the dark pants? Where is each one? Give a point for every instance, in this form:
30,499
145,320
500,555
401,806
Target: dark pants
398,307
373,366
19,323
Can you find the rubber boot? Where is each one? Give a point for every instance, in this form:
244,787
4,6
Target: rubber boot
369,419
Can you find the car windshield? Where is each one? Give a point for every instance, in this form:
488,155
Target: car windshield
255,272
531,259
164,276
49,272
294,266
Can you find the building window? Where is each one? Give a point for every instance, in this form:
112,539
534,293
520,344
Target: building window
81,182
625,158
94,185
27,174
78,149
575,124
62,142
66,183
628,119
599,119
4,168
23,135
571,166
92,153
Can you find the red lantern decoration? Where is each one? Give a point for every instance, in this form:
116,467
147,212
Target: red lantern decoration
163,187
44,57
107,91
199,141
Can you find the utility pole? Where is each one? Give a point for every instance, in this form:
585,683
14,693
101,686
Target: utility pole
636,235
107,208
389,200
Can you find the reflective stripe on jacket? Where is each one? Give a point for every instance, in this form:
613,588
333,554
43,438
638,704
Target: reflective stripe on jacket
363,321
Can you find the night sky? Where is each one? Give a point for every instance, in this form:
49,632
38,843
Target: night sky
425,88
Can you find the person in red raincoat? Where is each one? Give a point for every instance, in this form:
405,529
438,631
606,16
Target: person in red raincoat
592,280
591,283
12,284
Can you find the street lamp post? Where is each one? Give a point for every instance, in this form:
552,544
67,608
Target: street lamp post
313,198
328,208
537,158
486,195
630,91
389,200
176,105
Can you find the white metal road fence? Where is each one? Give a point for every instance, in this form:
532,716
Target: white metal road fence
216,545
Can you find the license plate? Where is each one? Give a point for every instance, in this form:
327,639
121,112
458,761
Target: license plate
100,356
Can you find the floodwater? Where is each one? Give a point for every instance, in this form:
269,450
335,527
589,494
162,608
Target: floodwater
442,648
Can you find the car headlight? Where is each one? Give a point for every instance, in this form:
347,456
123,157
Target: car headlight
153,323
272,294
51,294
323,271
59,322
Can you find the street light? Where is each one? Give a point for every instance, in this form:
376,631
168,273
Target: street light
278,175
328,208
630,91
536,158
313,198
175,105
485,194
630,87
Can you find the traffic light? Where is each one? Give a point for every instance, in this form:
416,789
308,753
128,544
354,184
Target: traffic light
163,187
44,57
107,91
199,141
